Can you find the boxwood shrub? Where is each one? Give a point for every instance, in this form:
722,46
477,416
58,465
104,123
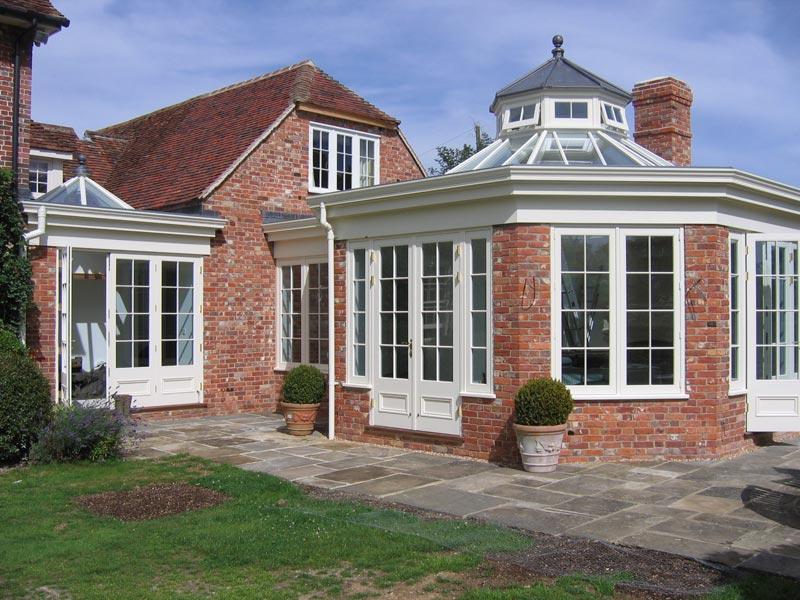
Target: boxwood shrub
25,405
543,402
304,384
9,342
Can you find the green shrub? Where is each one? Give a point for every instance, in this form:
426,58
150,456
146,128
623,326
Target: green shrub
82,432
543,401
303,385
9,343
16,285
25,405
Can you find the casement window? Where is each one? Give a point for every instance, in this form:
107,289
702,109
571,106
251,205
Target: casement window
518,116
37,178
613,115
617,314
736,301
571,109
341,159
303,314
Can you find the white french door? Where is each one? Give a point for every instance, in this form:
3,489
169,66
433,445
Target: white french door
773,333
415,321
65,325
155,329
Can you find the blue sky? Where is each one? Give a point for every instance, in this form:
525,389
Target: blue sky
436,64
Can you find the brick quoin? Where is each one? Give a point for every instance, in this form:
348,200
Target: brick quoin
662,110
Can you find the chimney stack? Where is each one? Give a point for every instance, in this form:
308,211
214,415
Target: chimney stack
662,116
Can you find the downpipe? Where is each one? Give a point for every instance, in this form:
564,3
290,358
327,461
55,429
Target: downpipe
323,219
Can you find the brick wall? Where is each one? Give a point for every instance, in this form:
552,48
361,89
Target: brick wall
7,36
662,110
41,329
239,276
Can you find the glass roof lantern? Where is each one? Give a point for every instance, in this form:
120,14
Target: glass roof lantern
81,190
560,114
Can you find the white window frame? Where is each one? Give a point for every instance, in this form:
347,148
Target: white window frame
304,264
534,120
618,389
463,243
613,122
55,168
334,133
570,122
738,385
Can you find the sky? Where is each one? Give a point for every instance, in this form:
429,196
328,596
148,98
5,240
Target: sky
436,64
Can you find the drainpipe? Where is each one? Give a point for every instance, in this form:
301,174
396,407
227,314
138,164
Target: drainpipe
323,219
41,225
15,107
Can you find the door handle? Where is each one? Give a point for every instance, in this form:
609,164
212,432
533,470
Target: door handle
411,347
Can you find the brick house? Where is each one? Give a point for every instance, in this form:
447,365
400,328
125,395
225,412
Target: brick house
664,295
153,276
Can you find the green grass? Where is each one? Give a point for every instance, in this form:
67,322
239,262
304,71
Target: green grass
268,541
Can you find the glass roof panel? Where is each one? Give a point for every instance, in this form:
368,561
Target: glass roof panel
82,191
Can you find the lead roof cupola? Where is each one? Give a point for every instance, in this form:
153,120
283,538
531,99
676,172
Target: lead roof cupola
561,114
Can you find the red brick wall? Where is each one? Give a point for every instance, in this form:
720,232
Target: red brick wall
240,285
662,110
7,37
709,424
41,319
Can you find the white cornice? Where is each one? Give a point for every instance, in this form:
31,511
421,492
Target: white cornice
294,229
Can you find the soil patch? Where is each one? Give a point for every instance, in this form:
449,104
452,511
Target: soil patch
151,501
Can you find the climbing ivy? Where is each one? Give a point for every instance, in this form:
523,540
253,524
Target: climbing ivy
16,285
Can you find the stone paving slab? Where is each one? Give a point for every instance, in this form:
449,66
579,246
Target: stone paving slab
740,511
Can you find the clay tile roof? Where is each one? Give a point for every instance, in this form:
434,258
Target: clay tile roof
46,136
170,157
41,8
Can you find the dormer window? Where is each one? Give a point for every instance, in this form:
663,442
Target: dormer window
342,159
613,115
571,110
519,116
45,170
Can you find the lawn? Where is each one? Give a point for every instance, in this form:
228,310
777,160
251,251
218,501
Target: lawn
268,540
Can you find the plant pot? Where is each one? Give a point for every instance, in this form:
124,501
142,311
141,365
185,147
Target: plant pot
300,418
540,446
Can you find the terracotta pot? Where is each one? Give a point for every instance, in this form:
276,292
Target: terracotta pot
540,446
300,418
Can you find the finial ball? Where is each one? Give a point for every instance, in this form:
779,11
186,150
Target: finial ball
557,41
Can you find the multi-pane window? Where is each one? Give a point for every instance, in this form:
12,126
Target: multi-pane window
132,313
479,312
342,159
394,338
303,333
359,312
571,110
177,313
737,315
613,115
619,320
437,311
37,176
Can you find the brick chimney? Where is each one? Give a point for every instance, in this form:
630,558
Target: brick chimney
662,115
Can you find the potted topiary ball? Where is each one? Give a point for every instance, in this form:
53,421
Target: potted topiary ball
303,389
541,409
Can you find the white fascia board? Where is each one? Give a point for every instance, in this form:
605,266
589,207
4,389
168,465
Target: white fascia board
294,229
724,184
51,154
74,222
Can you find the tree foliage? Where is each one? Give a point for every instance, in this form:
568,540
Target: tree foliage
448,157
16,286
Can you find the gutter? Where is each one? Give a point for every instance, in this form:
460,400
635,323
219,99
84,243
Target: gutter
323,218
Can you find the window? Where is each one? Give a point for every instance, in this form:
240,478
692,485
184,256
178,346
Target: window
479,311
613,115
37,177
342,159
736,300
303,314
571,110
618,323
527,114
